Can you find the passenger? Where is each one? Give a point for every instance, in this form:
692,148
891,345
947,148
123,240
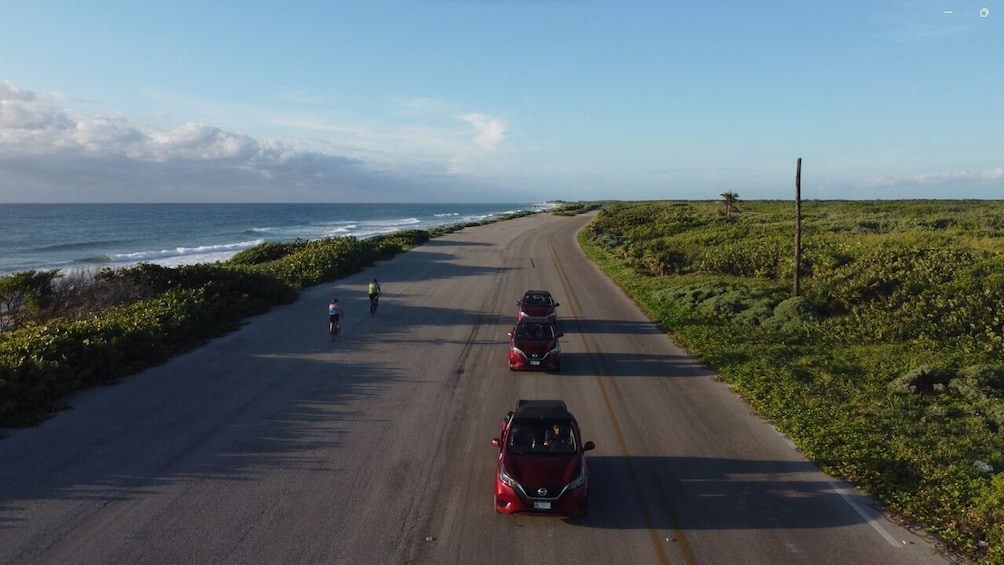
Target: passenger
558,438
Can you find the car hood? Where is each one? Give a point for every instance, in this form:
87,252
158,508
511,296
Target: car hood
543,469
538,311
535,346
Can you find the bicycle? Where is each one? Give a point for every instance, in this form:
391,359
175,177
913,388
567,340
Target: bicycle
373,289
334,319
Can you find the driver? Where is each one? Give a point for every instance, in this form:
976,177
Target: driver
557,437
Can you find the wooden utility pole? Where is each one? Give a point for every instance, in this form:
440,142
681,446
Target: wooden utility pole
798,226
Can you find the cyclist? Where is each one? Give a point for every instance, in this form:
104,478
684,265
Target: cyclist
374,292
334,315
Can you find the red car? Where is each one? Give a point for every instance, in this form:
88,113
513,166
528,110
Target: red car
541,466
537,304
533,344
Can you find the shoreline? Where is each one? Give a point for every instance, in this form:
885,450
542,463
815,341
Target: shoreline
101,244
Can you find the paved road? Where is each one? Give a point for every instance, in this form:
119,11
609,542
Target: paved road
275,445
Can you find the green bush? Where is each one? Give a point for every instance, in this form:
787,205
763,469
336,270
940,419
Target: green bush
923,380
979,382
886,371
185,306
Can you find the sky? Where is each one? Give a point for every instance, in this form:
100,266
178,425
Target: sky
499,100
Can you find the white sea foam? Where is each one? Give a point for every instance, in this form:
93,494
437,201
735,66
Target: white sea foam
184,255
96,236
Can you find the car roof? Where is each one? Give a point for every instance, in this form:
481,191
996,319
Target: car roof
547,292
535,320
541,410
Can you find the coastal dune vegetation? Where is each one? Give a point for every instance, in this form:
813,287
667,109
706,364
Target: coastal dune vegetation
60,333
887,368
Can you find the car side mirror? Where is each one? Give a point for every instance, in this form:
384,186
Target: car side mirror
561,334
556,304
509,334
496,443
588,446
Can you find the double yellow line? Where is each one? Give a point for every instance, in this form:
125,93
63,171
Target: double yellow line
600,370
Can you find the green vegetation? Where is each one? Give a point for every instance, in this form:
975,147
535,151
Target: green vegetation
887,371
60,333
575,208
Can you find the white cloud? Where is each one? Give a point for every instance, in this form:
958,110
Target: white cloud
490,130
26,111
50,154
938,178
489,133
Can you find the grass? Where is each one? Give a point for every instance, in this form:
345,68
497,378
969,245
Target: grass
887,370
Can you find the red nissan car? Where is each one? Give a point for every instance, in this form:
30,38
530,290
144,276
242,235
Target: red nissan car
533,344
541,466
538,304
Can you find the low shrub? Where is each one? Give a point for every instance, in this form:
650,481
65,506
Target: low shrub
886,371
167,311
923,380
979,382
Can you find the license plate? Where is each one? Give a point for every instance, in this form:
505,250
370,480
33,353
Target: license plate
535,362
541,505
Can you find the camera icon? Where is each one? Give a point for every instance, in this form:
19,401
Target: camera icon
984,12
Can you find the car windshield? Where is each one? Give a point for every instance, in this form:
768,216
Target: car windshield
536,300
535,330
541,437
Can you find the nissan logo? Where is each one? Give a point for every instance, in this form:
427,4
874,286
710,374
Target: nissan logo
542,491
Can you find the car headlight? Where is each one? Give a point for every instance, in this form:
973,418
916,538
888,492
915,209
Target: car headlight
520,352
579,480
506,478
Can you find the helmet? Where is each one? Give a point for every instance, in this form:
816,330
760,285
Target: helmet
374,279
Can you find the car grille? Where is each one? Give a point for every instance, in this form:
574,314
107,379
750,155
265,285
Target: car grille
553,491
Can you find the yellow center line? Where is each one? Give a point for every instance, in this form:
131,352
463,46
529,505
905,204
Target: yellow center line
600,369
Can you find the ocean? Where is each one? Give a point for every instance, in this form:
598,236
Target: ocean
88,237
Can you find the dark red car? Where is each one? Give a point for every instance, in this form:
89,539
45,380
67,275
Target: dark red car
533,345
541,466
537,304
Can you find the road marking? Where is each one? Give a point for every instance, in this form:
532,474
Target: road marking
595,358
869,518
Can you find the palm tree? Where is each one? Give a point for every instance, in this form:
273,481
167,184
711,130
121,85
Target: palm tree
729,200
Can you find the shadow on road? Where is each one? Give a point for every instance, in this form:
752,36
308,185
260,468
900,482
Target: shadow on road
695,493
608,326
174,425
619,365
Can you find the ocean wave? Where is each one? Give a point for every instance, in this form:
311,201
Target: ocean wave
200,234
58,247
97,259
153,256
398,222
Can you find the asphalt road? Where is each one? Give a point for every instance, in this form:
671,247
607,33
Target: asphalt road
275,445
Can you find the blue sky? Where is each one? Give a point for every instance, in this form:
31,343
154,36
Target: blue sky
499,100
